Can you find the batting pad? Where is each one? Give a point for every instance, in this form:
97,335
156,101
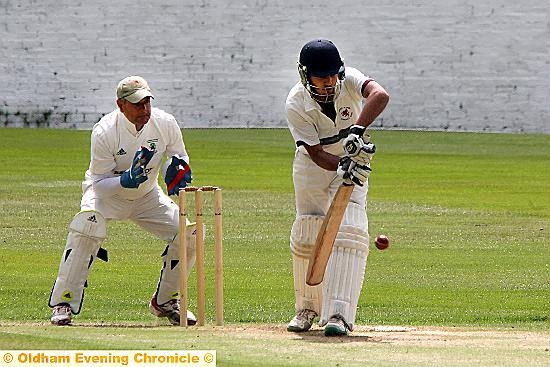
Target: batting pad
346,268
87,231
169,283
302,240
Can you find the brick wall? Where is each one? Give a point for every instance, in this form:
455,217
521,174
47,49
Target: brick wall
455,65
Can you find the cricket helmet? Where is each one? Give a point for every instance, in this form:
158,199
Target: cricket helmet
320,58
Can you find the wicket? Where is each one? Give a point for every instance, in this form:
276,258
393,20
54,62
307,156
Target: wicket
218,253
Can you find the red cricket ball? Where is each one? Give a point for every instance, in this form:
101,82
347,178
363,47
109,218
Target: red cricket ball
382,242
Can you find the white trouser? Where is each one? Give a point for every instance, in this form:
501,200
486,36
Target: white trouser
155,211
157,214
314,188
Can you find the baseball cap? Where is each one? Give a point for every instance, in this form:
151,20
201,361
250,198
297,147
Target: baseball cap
133,89
321,58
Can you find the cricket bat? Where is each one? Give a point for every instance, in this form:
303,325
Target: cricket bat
327,234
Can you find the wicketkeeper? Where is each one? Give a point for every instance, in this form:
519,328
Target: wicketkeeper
128,147
328,112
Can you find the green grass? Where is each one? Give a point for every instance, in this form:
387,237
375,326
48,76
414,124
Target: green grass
468,215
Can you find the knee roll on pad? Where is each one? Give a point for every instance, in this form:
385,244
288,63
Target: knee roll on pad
168,286
356,216
304,233
87,231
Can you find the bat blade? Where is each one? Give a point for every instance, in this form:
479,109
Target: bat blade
327,234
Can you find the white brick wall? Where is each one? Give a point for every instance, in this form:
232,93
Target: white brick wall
456,65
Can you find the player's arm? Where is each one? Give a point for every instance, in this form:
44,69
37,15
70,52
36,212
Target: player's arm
352,172
305,135
376,99
175,144
322,158
357,144
176,170
129,179
102,164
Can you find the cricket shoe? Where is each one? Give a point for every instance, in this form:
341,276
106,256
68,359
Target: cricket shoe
302,321
61,314
336,326
170,310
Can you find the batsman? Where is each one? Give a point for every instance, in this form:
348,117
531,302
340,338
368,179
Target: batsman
128,148
328,113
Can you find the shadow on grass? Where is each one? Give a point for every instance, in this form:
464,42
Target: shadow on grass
359,335
318,336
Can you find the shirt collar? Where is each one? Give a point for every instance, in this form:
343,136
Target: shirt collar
309,103
128,125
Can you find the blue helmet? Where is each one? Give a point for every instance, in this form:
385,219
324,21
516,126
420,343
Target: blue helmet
320,58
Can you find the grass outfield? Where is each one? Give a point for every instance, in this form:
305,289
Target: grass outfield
468,215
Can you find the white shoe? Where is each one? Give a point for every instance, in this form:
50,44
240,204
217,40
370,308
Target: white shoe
170,310
61,314
302,321
336,326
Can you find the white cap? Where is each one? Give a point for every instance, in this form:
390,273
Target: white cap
133,89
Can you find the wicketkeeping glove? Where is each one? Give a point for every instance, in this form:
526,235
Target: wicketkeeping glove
178,175
135,175
358,146
353,172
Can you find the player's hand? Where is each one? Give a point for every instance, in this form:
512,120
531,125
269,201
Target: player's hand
353,172
135,175
358,146
178,175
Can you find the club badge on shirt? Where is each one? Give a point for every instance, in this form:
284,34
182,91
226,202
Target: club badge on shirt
345,113
153,143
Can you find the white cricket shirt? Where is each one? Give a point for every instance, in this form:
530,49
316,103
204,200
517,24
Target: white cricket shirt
308,124
115,141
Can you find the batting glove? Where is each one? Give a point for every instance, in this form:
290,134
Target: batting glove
353,172
358,146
